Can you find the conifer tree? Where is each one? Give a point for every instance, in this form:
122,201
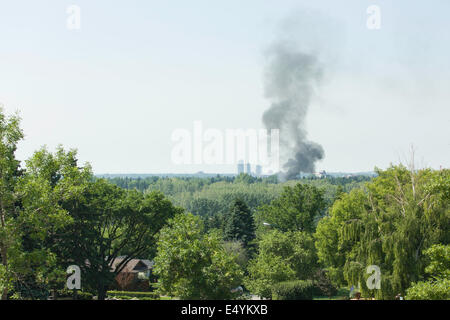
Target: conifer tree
239,224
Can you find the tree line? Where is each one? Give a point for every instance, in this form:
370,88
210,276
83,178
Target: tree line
399,221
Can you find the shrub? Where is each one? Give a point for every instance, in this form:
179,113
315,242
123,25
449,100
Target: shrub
436,288
323,285
81,295
134,298
431,290
293,290
123,297
130,295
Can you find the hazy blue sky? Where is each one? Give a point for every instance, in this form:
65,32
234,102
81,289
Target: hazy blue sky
138,70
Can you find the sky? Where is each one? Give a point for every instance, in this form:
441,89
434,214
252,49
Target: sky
136,71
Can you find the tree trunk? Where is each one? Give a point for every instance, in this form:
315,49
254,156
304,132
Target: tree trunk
101,292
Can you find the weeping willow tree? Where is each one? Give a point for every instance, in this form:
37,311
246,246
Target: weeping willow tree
338,233
401,213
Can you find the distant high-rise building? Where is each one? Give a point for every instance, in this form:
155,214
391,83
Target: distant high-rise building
258,170
248,169
321,174
240,167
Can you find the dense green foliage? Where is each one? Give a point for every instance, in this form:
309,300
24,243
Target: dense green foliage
78,295
29,210
237,250
130,295
323,286
429,290
192,264
389,224
282,256
102,222
293,290
437,287
297,209
209,197
239,224
209,235
54,213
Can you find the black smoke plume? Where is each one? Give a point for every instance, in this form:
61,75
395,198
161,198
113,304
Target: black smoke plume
291,78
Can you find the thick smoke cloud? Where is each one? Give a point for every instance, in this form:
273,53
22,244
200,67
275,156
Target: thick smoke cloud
290,81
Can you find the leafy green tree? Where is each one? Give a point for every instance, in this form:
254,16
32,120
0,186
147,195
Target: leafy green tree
193,265
339,193
105,221
237,249
266,271
30,210
49,180
245,178
205,207
429,290
239,224
333,248
297,209
439,266
282,256
403,212
10,135
112,223
437,287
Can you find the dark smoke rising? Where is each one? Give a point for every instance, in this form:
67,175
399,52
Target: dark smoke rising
290,81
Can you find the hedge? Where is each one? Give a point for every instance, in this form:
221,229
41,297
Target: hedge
81,295
293,290
131,298
130,295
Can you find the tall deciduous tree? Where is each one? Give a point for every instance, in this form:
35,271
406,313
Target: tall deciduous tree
105,221
333,249
282,256
193,265
10,135
297,209
30,210
110,222
403,212
49,181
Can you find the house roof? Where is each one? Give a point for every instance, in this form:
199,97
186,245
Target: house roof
148,263
134,265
